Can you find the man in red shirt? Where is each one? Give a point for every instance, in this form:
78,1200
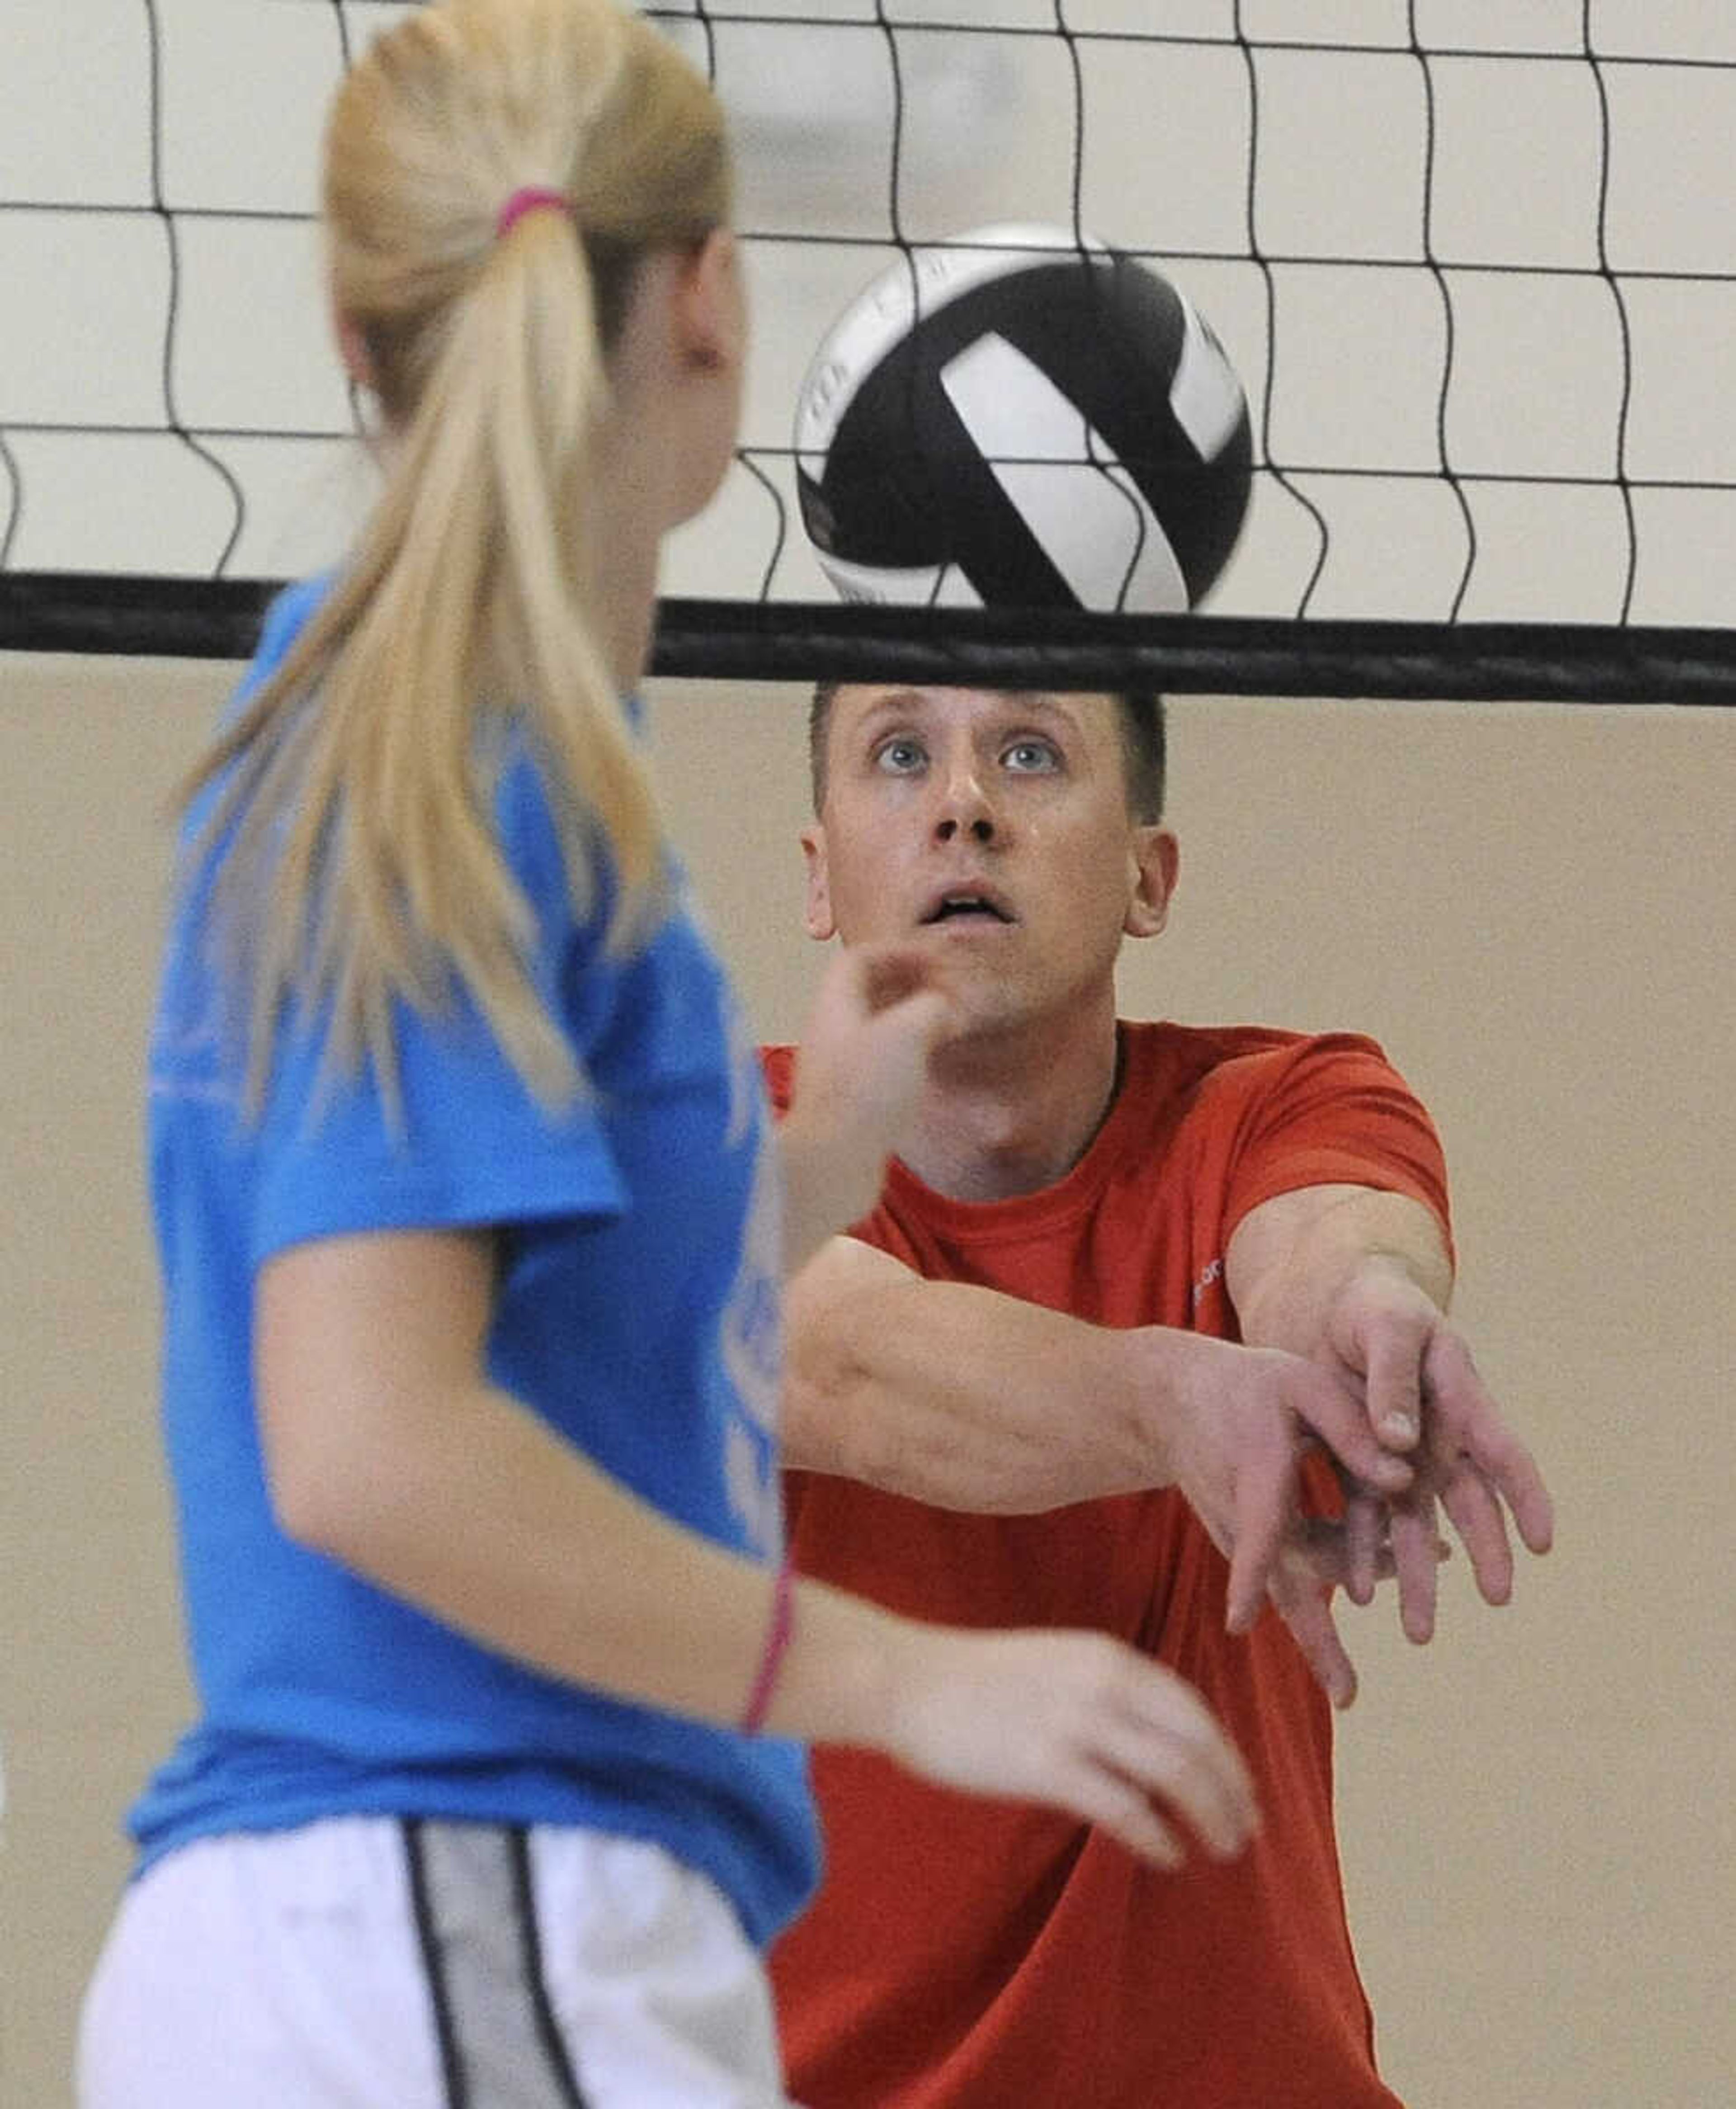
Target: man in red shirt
1123,1278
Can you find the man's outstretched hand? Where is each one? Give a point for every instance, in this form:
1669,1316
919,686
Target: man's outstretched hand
1425,1401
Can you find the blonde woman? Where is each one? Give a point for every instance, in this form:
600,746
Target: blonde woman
470,1223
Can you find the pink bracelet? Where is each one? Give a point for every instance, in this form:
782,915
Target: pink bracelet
776,1640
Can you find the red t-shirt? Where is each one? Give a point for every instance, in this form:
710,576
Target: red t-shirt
965,1953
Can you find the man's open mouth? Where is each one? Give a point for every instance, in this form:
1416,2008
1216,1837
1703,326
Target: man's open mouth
955,907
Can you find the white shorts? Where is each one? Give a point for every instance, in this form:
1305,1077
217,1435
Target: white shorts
367,1963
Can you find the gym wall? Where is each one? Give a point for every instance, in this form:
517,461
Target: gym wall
1531,909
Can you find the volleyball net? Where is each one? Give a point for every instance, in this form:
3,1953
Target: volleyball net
1474,264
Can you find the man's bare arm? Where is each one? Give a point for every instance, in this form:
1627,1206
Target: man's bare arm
970,1399
962,1397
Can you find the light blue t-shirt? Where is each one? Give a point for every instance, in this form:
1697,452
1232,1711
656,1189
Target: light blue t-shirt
637,1311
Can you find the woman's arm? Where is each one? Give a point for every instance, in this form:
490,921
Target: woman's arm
388,1449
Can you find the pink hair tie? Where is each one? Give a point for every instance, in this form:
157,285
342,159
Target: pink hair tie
533,198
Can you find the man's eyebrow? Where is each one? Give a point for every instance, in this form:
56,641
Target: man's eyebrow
1033,706
1015,700
894,703
1039,703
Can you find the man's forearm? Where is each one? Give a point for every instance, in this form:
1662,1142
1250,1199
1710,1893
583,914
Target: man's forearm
1290,1259
969,1399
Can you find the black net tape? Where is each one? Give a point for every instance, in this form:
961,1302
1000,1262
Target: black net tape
1055,650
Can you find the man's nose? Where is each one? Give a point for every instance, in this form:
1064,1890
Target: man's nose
964,807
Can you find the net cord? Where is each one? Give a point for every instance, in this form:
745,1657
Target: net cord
1053,650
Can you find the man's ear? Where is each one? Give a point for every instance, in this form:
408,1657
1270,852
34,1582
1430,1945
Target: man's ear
1156,857
709,310
817,917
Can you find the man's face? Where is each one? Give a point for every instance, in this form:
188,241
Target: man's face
994,826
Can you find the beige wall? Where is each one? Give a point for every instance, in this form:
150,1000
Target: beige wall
1531,908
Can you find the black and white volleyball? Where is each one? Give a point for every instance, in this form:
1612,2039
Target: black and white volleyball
1018,417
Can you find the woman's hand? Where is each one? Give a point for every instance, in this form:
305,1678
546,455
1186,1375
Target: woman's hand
859,1072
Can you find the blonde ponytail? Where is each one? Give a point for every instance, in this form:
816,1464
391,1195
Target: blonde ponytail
364,868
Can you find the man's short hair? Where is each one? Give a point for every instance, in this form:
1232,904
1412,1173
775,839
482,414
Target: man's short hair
1142,747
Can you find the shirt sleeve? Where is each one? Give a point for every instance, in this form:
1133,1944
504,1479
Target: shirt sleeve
1332,1110
469,1143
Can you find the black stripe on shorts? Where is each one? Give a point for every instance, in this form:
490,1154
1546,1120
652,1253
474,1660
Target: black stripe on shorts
472,1896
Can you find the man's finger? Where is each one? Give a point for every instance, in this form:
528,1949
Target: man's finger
1337,1417
1476,1516
1265,1499
1467,1408
1305,1608
1364,1531
1319,1546
1505,1461
1414,1538
1394,1345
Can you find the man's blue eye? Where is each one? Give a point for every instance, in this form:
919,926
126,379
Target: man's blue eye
1026,755
900,756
